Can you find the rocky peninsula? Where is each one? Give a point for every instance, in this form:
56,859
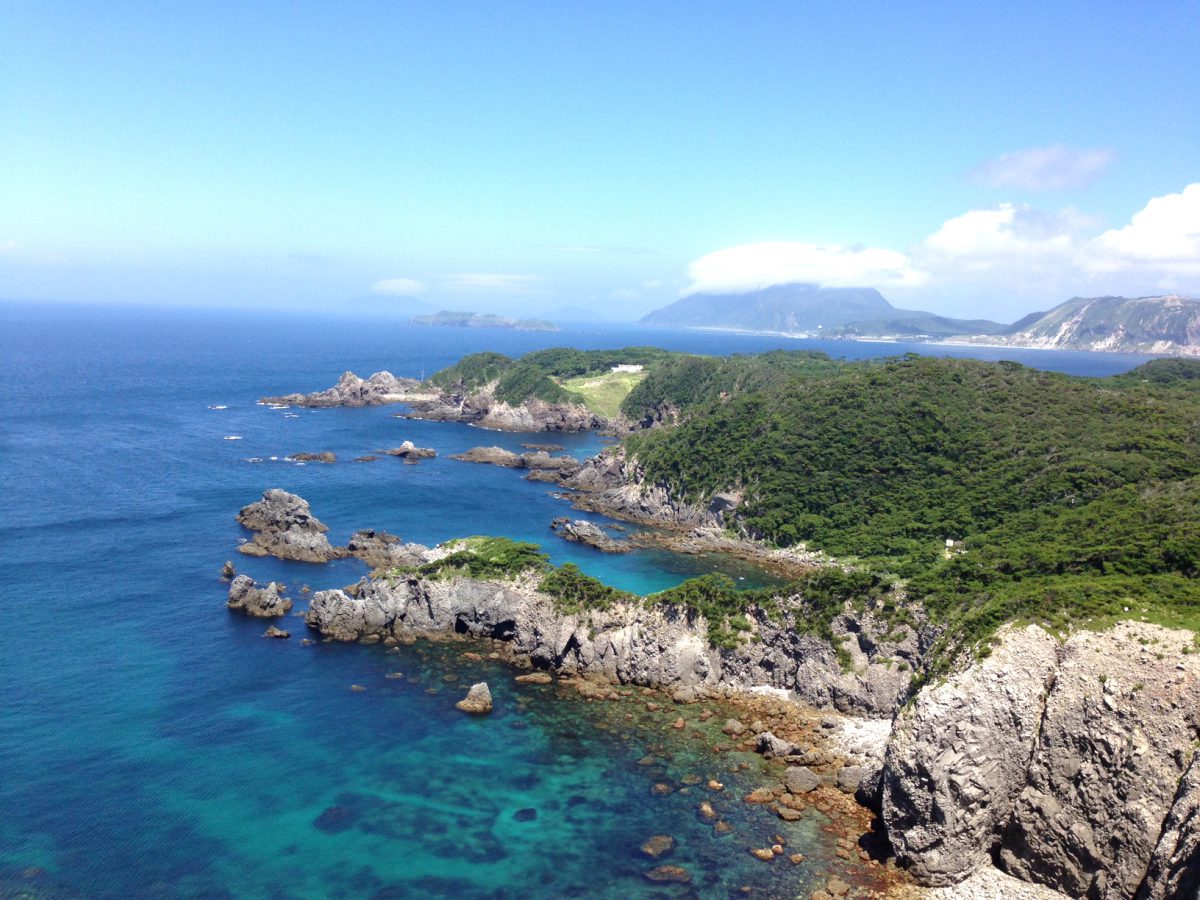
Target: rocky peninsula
350,390
1065,761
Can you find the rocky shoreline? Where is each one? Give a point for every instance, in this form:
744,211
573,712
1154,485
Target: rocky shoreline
1069,763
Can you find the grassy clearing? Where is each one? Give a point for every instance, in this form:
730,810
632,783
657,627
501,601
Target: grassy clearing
604,393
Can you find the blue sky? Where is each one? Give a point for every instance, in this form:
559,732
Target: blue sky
973,159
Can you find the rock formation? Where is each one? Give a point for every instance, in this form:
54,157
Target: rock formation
380,388
261,602
408,451
382,550
477,701
286,528
584,532
630,643
323,457
483,409
1069,764
537,460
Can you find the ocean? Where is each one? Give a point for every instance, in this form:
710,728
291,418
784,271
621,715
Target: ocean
152,744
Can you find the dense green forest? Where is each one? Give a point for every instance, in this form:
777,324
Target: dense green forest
1069,499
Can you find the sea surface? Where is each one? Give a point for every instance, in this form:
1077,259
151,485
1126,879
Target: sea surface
152,744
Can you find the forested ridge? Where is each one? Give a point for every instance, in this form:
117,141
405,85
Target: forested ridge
1068,499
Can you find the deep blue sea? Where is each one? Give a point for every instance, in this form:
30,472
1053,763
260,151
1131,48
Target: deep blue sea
153,744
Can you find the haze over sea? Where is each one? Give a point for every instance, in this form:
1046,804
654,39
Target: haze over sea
152,744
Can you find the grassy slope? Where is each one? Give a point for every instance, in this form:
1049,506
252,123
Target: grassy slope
604,392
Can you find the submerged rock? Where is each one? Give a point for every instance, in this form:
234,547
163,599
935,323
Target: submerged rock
261,602
477,701
669,874
658,845
323,457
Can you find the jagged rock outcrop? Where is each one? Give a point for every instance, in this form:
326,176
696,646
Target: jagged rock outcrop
286,528
629,643
380,388
382,550
261,602
1118,732
957,758
483,409
324,456
410,452
538,460
478,700
584,532
1065,763
1174,869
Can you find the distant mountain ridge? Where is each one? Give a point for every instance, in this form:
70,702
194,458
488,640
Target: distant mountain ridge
781,307
1168,324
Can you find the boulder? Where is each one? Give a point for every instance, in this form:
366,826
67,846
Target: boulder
801,780
261,602
273,632
772,747
323,457
286,528
408,450
477,701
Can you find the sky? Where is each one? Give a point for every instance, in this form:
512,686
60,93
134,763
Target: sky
969,159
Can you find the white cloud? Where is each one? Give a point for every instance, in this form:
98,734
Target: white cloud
1052,168
985,238
753,266
499,283
398,287
1164,235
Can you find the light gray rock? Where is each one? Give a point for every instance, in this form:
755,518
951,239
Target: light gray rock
647,644
801,780
483,409
382,550
958,755
261,602
285,527
584,532
849,778
1174,869
1118,732
1067,764
382,387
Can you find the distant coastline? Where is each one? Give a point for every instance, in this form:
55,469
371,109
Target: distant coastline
449,319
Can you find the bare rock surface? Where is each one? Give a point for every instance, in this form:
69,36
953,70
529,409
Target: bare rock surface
589,533
350,390
647,644
381,550
410,451
285,527
1068,764
478,700
263,602
483,409
537,460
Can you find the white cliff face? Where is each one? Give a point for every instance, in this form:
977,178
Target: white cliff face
1065,763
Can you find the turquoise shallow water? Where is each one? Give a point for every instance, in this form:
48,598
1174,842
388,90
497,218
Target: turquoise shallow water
153,744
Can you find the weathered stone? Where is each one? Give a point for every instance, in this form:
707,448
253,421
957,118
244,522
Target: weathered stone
801,780
261,602
669,874
477,701
658,845
273,632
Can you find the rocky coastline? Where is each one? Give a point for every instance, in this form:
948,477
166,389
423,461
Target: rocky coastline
350,390
1068,762
483,409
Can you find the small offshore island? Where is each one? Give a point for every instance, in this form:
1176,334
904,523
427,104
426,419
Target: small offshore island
999,566
447,319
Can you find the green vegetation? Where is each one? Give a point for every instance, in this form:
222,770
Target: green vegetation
538,374
1075,499
482,557
603,392
575,592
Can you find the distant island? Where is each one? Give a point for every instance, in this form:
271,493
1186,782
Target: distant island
448,319
1168,325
